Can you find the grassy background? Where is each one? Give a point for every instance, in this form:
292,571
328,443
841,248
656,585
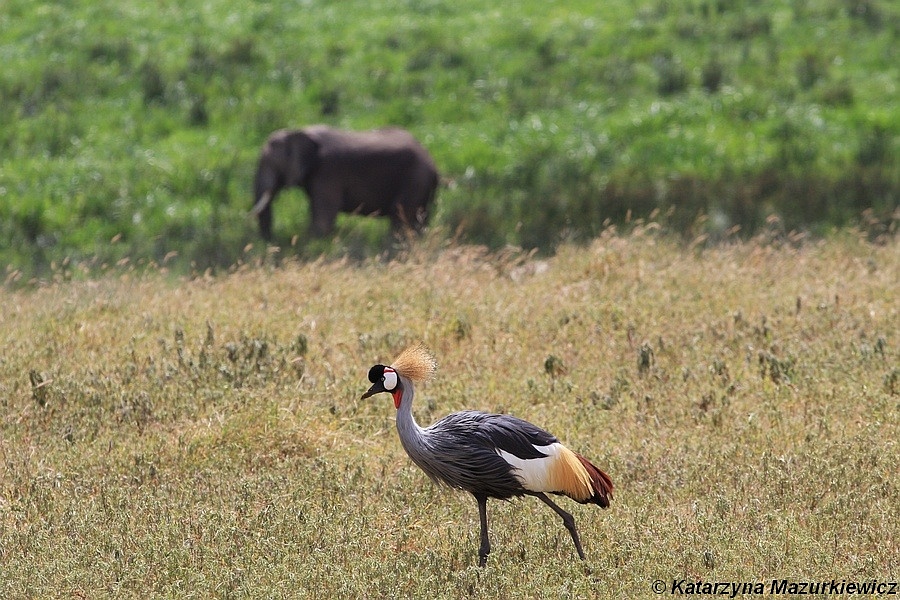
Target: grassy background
130,130
204,437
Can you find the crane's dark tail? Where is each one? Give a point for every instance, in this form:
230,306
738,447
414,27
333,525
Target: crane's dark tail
600,483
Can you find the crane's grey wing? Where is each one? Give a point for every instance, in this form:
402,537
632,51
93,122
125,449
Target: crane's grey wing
514,435
461,450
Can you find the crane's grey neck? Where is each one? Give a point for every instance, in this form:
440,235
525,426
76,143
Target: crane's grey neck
428,447
409,430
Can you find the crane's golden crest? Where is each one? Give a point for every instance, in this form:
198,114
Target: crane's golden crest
416,363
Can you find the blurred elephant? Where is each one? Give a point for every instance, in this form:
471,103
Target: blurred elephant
384,172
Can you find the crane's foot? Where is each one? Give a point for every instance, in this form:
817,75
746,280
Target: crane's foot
570,525
483,551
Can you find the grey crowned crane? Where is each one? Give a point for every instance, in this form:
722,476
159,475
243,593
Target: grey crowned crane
488,455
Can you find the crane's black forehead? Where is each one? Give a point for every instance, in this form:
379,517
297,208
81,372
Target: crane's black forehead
375,373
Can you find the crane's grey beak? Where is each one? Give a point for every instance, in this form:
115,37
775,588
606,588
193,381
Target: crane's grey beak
376,388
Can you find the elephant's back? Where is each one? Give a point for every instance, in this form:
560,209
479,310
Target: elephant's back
395,145
385,138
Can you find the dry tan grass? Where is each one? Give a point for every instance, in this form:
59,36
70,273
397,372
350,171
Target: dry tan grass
206,437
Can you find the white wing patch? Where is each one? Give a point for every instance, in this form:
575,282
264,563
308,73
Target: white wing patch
536,474
560,472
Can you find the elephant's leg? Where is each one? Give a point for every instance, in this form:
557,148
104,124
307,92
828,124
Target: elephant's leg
421,219
398,220
325,203
408,217
402,223
322,226
265,223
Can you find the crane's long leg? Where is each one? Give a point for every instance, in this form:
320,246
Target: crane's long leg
485,548
568,520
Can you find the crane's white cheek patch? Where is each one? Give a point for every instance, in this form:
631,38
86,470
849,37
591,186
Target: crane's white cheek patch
535,473
390,380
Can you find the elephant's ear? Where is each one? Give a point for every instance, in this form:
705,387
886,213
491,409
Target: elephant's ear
303,157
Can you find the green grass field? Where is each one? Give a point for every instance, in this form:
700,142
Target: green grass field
130,129
203,438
